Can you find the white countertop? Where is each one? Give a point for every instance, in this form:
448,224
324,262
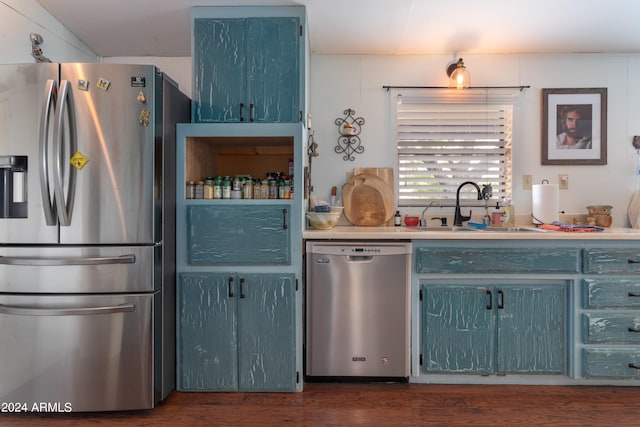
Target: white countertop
412,233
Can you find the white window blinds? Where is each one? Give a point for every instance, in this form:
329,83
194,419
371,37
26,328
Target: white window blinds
449,137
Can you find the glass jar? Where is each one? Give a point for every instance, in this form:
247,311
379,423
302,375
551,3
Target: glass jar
247,189
237,184
191,190
208,188
287,188
226,189
217,189
273,189
256,189
264,189
281,189
199,190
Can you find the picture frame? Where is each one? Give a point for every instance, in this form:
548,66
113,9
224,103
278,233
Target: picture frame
574,126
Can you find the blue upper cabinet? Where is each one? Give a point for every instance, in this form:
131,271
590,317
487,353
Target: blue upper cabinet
248,69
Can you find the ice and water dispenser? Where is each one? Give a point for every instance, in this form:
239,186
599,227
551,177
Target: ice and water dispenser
13,186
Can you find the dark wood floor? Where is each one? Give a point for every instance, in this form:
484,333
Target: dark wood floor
377,405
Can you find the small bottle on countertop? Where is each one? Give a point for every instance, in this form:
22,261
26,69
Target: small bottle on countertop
397,219
508,213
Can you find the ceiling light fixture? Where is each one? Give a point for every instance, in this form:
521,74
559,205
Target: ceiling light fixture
459,77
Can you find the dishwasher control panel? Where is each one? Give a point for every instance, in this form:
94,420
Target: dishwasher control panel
359,248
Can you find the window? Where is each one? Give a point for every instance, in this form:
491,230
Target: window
446,137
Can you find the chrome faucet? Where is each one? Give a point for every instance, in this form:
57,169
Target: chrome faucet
423,221
457,216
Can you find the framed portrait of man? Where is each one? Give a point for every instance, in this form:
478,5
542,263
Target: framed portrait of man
574,126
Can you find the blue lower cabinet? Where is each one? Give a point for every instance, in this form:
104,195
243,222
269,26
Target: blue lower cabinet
458,330
236,332
495,329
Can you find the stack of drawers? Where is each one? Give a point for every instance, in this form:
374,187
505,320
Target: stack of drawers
611,315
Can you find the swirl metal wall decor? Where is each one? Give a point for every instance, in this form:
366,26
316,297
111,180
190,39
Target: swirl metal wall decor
349,128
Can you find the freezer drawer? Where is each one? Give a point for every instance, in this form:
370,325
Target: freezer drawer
78,269
77,353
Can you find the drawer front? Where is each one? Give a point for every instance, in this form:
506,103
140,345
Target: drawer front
613,363
239,235
611,261
611,293
611,328
496,260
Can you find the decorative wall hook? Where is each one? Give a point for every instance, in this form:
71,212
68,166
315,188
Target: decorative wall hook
636,143
349,128
36,50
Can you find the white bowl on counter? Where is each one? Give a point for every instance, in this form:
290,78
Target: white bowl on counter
324,220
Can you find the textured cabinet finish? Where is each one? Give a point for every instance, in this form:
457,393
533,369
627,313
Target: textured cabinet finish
236,332
235,343
503,329
496,260
610,292
611,363
238,234
247,69
610,320
611,261
610,327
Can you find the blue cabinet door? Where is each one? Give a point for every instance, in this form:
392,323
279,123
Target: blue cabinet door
266,332
273,46
239,234
220,71
247,70
458,329
531,329
206,336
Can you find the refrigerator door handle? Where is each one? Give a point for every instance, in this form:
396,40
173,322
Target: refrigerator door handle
81,311
48,204
122,259
64,204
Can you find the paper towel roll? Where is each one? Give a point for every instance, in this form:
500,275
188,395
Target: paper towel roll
546,203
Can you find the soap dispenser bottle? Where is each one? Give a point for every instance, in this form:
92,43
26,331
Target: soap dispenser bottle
508,213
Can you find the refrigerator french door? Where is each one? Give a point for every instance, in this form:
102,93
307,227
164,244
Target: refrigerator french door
86,234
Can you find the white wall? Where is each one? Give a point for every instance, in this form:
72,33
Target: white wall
341,82
20,18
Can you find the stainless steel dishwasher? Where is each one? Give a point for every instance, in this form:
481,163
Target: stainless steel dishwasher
357,311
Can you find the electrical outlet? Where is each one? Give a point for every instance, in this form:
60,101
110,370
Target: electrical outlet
563,181
526,182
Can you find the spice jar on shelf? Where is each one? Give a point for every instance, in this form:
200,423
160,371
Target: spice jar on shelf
208,188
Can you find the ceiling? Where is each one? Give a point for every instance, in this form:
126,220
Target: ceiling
162,27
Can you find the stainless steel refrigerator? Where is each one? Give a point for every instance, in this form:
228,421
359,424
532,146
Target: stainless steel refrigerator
87,235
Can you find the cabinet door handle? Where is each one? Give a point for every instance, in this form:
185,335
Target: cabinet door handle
500,300
284,218
230,287
490,295
251,113
242,294
241,112
634,366
633,295
633,330
633,261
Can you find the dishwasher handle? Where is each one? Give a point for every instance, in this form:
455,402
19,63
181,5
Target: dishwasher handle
359,258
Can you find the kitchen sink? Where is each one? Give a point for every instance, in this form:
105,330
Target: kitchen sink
512,230
466,228
446,228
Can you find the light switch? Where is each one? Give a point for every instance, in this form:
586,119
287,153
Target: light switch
526,182
563,181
